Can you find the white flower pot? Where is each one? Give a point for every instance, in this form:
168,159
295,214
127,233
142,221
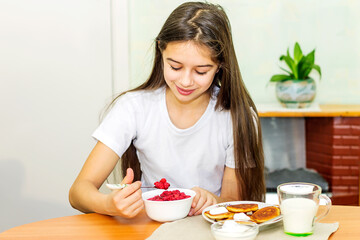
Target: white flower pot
296,93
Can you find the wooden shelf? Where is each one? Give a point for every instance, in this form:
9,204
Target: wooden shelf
327,110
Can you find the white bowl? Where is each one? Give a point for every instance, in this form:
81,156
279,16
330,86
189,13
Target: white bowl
166,211
248,230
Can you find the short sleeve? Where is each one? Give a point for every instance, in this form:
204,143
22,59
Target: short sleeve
230,158
118,128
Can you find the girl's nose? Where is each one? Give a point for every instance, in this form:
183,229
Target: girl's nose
186,80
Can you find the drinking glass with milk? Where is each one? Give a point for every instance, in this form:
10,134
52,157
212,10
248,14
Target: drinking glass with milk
299,203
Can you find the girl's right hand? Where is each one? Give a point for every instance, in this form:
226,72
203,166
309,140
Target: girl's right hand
126,202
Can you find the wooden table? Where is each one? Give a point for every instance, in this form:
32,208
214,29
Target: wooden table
96,226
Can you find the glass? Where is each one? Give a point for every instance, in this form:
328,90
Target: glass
299,203
234,230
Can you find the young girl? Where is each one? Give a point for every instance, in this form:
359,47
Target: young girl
192,122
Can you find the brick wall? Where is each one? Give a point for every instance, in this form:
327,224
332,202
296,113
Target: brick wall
333,149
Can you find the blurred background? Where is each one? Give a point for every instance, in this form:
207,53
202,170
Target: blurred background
61,63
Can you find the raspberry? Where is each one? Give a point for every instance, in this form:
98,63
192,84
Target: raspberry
170,196
162,184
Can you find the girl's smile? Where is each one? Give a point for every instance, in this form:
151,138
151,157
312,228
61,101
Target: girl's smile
184,92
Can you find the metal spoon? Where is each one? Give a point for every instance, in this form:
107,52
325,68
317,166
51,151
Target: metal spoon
117,186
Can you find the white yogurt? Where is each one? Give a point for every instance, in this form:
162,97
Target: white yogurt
231,230
232,226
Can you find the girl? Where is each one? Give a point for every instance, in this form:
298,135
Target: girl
192,122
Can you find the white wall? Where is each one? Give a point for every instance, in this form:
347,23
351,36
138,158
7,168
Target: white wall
55,78
262,31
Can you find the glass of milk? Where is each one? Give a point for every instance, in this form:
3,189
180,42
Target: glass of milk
299,204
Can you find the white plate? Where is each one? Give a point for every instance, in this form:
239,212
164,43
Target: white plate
260,204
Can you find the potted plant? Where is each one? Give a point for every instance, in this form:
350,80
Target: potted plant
296,89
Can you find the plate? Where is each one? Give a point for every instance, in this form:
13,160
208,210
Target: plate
260,204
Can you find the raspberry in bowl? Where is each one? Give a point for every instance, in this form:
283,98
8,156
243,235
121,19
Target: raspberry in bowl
168,205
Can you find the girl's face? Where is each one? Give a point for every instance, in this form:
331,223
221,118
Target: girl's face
188,70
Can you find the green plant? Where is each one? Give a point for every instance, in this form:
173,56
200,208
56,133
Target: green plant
300,66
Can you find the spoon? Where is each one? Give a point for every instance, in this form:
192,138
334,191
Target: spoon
117,186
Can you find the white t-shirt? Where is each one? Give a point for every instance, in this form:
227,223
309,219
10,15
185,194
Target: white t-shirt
190,157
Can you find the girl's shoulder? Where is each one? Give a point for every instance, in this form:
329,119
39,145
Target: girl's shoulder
139,102
142,96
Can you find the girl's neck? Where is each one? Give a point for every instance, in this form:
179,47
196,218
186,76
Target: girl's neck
185,114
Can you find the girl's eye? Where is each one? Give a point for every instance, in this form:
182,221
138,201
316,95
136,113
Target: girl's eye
174,68
201,73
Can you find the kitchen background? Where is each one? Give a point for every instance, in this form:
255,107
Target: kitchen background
61,62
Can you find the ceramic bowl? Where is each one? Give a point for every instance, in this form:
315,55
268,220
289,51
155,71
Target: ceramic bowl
244,231
166,211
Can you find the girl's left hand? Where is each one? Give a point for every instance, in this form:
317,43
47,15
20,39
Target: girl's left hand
202,199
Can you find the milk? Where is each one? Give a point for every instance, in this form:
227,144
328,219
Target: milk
298,215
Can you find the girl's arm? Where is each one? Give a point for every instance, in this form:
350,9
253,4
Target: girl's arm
229,188
84,194
204,198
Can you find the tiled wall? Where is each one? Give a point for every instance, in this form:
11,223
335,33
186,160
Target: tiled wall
333,149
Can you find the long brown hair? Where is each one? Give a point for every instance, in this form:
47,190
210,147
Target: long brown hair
208,24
